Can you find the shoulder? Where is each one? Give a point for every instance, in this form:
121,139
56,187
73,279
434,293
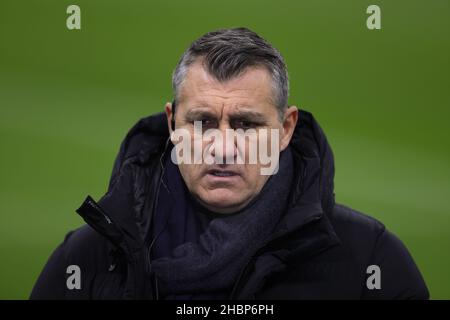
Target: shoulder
344,217
85,246
368,241
356,230
83,251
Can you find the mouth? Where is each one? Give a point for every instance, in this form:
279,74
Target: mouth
222,176
222,173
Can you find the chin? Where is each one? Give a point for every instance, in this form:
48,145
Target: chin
222,201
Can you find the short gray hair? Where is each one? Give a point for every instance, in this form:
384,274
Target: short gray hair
229,52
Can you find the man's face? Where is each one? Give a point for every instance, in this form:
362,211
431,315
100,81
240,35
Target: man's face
244,102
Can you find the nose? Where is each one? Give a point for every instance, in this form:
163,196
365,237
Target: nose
225,150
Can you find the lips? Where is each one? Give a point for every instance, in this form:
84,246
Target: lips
222,173
222,178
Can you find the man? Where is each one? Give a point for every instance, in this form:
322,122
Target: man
176,226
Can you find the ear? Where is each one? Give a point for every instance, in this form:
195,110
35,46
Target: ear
169,116
289,123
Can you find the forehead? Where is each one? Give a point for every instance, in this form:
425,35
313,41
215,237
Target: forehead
251,87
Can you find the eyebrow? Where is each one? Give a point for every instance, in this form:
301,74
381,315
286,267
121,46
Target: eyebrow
198,113
248,115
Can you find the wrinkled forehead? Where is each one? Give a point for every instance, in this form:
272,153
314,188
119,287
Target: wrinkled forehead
251,88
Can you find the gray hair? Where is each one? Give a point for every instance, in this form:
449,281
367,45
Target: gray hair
227,53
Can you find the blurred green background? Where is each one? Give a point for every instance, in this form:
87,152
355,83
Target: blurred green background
67,98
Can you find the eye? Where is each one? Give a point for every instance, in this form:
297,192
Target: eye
244,124
208,123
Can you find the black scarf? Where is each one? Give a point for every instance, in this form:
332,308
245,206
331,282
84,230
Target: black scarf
212,249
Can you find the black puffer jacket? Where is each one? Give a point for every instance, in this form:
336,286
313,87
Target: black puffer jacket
320,250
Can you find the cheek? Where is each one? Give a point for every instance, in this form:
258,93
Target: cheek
252,176
190,174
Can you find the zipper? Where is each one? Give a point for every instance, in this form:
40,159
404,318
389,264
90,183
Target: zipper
88,209
93,204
